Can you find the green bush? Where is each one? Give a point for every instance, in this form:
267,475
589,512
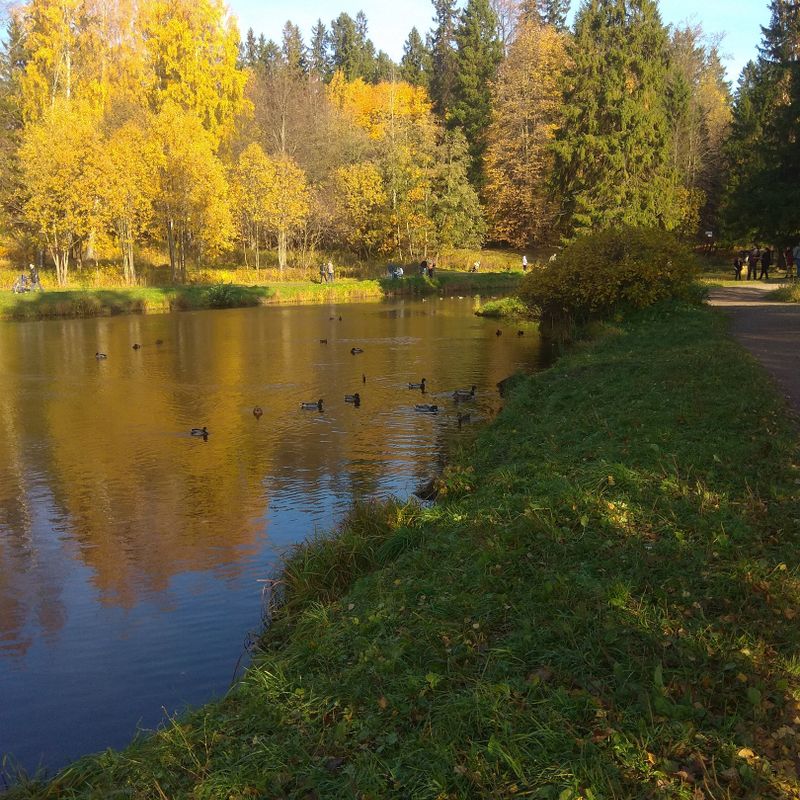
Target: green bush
604,273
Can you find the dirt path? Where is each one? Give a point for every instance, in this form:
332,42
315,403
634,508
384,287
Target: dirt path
770,331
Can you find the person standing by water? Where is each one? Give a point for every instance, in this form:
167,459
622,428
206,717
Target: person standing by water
752,264
330,271
323,273
36,284
524,263
766,263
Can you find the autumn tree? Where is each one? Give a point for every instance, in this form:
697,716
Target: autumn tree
360,207
192,201
526,112
127,168
55,156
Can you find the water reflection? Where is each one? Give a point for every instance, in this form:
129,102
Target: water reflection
130,551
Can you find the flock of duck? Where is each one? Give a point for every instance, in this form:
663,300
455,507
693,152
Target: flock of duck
459,395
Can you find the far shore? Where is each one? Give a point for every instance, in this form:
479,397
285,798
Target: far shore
102,301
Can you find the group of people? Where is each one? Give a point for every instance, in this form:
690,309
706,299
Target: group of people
427,269
326,273
764,259
28,283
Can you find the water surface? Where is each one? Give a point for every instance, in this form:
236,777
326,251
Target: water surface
131,552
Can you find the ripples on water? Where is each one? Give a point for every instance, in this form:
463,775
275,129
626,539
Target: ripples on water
130,552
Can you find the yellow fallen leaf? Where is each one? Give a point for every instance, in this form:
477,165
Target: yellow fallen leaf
746,752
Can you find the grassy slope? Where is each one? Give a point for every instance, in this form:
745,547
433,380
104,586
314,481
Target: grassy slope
100,302
602,604
786,294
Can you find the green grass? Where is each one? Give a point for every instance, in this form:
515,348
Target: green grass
786,294
604,603
504,308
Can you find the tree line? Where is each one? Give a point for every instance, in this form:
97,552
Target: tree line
126,123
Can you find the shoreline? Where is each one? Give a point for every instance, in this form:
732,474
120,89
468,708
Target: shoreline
599,605
87,303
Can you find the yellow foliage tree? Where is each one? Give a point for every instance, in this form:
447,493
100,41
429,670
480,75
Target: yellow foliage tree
127,181
193,199
192,50
56,157
360,207
526,109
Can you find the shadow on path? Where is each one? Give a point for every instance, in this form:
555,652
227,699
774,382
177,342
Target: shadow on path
769,330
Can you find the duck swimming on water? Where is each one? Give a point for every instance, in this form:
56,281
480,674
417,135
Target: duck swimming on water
100,356
312,406
355,399
200,432
420,385
432,409
137,346
464,394
356,350
258,412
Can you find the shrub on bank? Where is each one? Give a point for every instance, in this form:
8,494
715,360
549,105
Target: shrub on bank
606,272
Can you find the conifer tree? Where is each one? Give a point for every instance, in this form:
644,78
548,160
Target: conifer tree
613,164
548,12
763,193
319,62
415,65
478,54
293,50
250,49
443,56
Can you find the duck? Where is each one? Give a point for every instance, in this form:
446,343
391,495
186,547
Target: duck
355,399
420,385
159,341
312,406
363,378
498,332
462,418
100,356
464,394
356,350
323,341
200,432
137,346
520,333
426,407
258,412
340,319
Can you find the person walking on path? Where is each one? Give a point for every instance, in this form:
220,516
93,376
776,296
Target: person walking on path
737,268
330,271
789,256
752,264
524,263
796,255
766,263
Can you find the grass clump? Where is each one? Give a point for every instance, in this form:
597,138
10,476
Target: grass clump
607,272
786,294
603,604
504,308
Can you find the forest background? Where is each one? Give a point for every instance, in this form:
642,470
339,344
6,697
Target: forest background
152,141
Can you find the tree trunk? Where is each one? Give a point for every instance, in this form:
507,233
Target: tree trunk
281,249
171,244
258,251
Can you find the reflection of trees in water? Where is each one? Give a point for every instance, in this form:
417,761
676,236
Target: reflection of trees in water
123,488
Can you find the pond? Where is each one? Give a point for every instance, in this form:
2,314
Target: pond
131,553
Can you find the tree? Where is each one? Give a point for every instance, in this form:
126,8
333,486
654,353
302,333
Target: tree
293,50
127,168
547,12
360,207
318,56
415,65
192,199
62,196
526,112
192,50
613,161
443,57
763,192
456,212
478,54
352,52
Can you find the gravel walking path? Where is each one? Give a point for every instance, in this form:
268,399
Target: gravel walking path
769,330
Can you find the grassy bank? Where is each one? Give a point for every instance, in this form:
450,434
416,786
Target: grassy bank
92,302
786,294
511,308
603,603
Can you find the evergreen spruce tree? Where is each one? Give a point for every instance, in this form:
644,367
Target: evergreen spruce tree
415,65
612,150
293,50
319,62
12,64
443,56
763,192
478,54
352,52
250,49
548,12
